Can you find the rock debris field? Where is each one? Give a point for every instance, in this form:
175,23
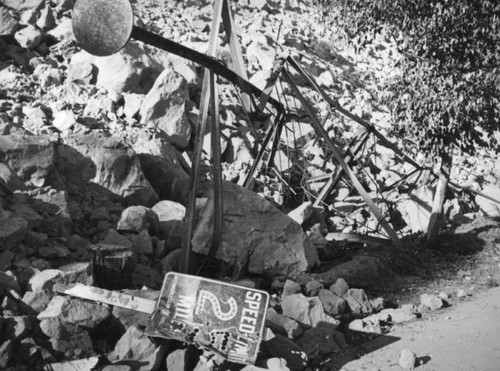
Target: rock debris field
95,156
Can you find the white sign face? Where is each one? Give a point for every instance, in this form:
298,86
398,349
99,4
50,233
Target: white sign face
218,316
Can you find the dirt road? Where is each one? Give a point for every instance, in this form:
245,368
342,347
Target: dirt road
465,336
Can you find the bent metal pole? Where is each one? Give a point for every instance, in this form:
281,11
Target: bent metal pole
103,27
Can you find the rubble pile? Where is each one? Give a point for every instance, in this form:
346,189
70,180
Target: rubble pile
95,156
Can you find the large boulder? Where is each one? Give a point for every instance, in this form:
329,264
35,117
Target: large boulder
108,163
129,70
163,107
31,157
163,166
256,233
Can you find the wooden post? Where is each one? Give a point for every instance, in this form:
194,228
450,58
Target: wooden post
198,145
436,219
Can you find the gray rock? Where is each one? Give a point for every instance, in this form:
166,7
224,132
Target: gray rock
358,302
163,108
12,232
129,70
283,325
308,311
252,224
6,353
69,339
176,360
407,359
81,72
321,341
137,347
313,288
64,120
31,157
378,304
8,24
29,37
6,258
141,243
333,305
431,301
37,301
132,104
18,328
78,312
171,262
46,19
44,280
282,347
9,180
171,215
340,287
302,213
461,293
107,162
19,5
137,219
290,288
48,76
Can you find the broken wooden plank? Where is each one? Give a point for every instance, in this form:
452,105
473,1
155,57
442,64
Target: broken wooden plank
355,237
112,298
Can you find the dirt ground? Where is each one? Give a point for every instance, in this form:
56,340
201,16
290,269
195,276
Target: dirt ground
463,336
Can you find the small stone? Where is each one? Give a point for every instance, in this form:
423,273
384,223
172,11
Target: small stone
407,359
443,295
290,288
82,72
135,345
431,301
461,293
283,325
176,360
64,120
313,287
358,302
138,218
29,37
8,24
378,304
333,305
340,287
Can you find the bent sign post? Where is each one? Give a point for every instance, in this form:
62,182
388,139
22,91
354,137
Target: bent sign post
224,318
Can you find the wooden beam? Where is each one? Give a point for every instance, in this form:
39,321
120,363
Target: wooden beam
340,159
198,144
236,54
335,105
